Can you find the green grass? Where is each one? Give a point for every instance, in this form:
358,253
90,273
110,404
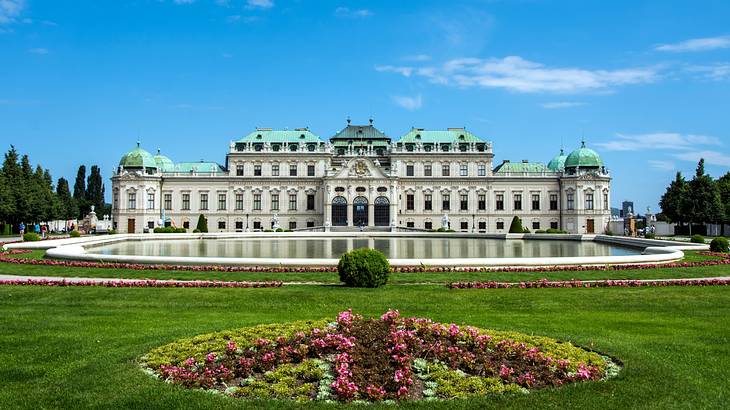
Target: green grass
76,347
396,278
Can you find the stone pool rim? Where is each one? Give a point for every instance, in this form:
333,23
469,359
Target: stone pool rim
654,251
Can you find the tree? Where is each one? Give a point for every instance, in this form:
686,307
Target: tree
67,205
674,200
80,192
704,198
516,225
202,224
95,189
723,186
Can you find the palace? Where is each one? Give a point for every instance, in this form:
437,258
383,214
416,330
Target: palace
360,177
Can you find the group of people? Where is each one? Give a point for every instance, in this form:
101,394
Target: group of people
41,229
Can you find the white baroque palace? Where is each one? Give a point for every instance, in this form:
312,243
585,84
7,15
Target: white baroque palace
428,178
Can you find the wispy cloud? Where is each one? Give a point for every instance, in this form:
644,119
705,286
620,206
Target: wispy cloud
657,141
39,50
562,104
417,57
717,71
516,74
260,4
661,165
696,44
409,103
711,157
10,10
352,13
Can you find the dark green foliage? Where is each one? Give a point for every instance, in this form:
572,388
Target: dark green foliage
719,244
169,229
552,230
80,184
516,225
74,234
95,190
697,239
202,224
31,237
649,235
364,268
704,197
674,200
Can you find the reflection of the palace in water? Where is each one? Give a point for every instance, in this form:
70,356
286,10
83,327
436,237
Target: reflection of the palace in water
393,248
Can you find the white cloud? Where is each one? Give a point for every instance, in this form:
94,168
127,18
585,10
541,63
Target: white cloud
711,157
409,103
696,44
718,71
516,74
662,165
10,9
261,4
417,57
561,104
657,141
39,51
356,13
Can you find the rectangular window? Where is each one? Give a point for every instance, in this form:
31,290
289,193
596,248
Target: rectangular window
553,202
410,203
221,202
428,225
499,202
115,200
186,224
151,224
446,170
463,170
518,202
239,170
446,202
239,225
257,170
428,202
256,202
427,170
150,200
482,226
274,202
410,224
204,202
465,226
482,202
275,170
292,202
605,201
310,170
409,170
553,225
500,225
464,202
186,202
221,225
589,201
535,202
482,170
310,224
310,202
292,225
239,202
293,170
168,202
571,201
132,200
535,225
257,225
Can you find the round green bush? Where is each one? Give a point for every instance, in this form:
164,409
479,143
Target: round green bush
31,237
650,236
74,234
719,244
697,239
364,268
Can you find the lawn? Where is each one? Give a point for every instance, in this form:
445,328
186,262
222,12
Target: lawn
76,347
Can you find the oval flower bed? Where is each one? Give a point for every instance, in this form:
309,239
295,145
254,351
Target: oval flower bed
365,359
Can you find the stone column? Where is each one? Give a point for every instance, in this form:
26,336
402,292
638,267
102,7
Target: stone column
393,205
350,198
371,206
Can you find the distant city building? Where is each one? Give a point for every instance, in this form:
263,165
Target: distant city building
616,213
360,177
627,207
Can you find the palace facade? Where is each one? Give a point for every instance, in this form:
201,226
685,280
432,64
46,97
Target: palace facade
293,179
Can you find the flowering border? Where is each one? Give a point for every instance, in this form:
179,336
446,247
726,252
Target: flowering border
544,283
143,283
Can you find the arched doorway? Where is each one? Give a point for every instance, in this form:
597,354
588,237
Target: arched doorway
382,211
360,211
339,211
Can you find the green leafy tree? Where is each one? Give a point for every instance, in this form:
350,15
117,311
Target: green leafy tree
67,207
516,225
723,186
202,224
674,200
95,190
80,192
704,198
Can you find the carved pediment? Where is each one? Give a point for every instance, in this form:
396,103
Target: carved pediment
360,168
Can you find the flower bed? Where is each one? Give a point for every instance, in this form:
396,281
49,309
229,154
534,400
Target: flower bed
366,359
544,283
143,283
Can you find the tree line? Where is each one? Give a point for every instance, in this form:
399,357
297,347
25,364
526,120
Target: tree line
698,201
28,194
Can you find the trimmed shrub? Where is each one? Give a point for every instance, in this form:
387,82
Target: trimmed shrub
539,231
7,230
202,224
649,236
31,237
74,234
525,230
553,230
196,230
516,226
363,268
608,232
112,232
697,239
279,230
719,244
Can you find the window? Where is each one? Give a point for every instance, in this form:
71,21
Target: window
274,202
204,202
571,201
589,201
310,170
221,202
257,170
257,225
239,170
499,202
446,202
465,226
292,202
409,170
553,225
275,170
221,225
115,199
410,202
482,226
239,202
186,202
518,202
605,201
535,202
151,224
482,170
150,200
464,202
293,170
168,201
553,202
292,225
500,225
445,170
463,170
428,225
239,225
482,202
186,224
427,170
256,202
428,202
310,224
132,200
310,202
535,225
410,224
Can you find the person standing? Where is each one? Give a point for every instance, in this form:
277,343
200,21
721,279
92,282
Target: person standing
21,228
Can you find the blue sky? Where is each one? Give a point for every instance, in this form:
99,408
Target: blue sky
645,82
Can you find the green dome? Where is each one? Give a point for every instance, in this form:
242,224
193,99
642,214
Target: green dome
164,164
557,163
138,158
584,158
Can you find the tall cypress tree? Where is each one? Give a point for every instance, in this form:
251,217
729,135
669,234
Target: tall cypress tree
704,197
674,200
80,192
95,189
10,173
723,186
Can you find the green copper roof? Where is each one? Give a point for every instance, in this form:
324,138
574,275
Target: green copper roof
583,157
557,163
200,167
357,132
138,158
521,167
294,136
448,136
164,164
